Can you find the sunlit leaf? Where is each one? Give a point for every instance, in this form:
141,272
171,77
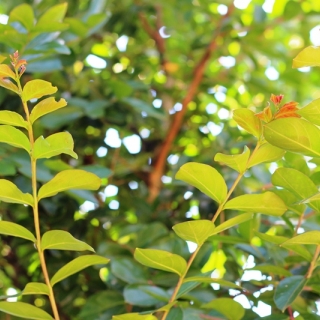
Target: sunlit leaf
24,310
196,231
267,203
6,83
162,260
246,119
10,193
14,229
12,119
14,137
35,89
232,222
46,106
69,179
62,240
24,14
309,237
134,316
311,112
35,288
205,178
288,290
6,71
76,265
54,145
308,57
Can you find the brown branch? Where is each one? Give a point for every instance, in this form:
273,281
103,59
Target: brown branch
160,162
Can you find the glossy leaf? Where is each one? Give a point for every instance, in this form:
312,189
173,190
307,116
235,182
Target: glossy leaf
35,288
223,283
232,222
288,290
14,137
267,203
6,71
10,193
12,119
309,237
246,119
294,134
311,112
205,178
36,89
231,309
197,231
266,153
69,179
62,240
46,106
54,145
308,57
134,316
14,229
24,310
237,162
6,83
76,265
161,260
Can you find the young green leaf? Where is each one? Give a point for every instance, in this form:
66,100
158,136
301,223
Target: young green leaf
246,119
10,193
54,145
36,89
231,309
267,203
14,229
266,153
223,283
12,119
69,179
134,316
309,237
35,288
14,137
311,112
294,134
6,83
197,231
46,106
205,178
76,265
6,71
62,240
288,290
308,57
162,260
237,162
23,14
232,222
24,310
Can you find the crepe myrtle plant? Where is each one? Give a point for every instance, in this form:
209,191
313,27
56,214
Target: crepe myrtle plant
17,130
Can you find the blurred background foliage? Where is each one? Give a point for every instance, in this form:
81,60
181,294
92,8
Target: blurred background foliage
128,69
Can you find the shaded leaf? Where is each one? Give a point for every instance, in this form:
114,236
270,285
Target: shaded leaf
196,231
69,179
76,265
271,269
232,222
12,119
246,119
223,283
35,288
14,137
10,193
62,240
36,89
205,178
14,229
162,260
308,57
6,71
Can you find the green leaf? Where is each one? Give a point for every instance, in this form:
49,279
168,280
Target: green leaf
197,231
308,57
14,229
205,178
232,222
223,283
246,119
134,316
6,71
6,83
76,265
237,162
24,14
24,310
69,179
10,193
271,269
36,89
231,309
12,119
161,260
46,106
297,183
294,134
267,203
288,290
14,137
35,288
311,112
62,240
54,145
309,237
266,153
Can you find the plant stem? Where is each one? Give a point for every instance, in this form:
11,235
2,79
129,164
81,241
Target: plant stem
35,206
313,262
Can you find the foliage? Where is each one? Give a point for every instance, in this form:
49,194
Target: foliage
231,210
